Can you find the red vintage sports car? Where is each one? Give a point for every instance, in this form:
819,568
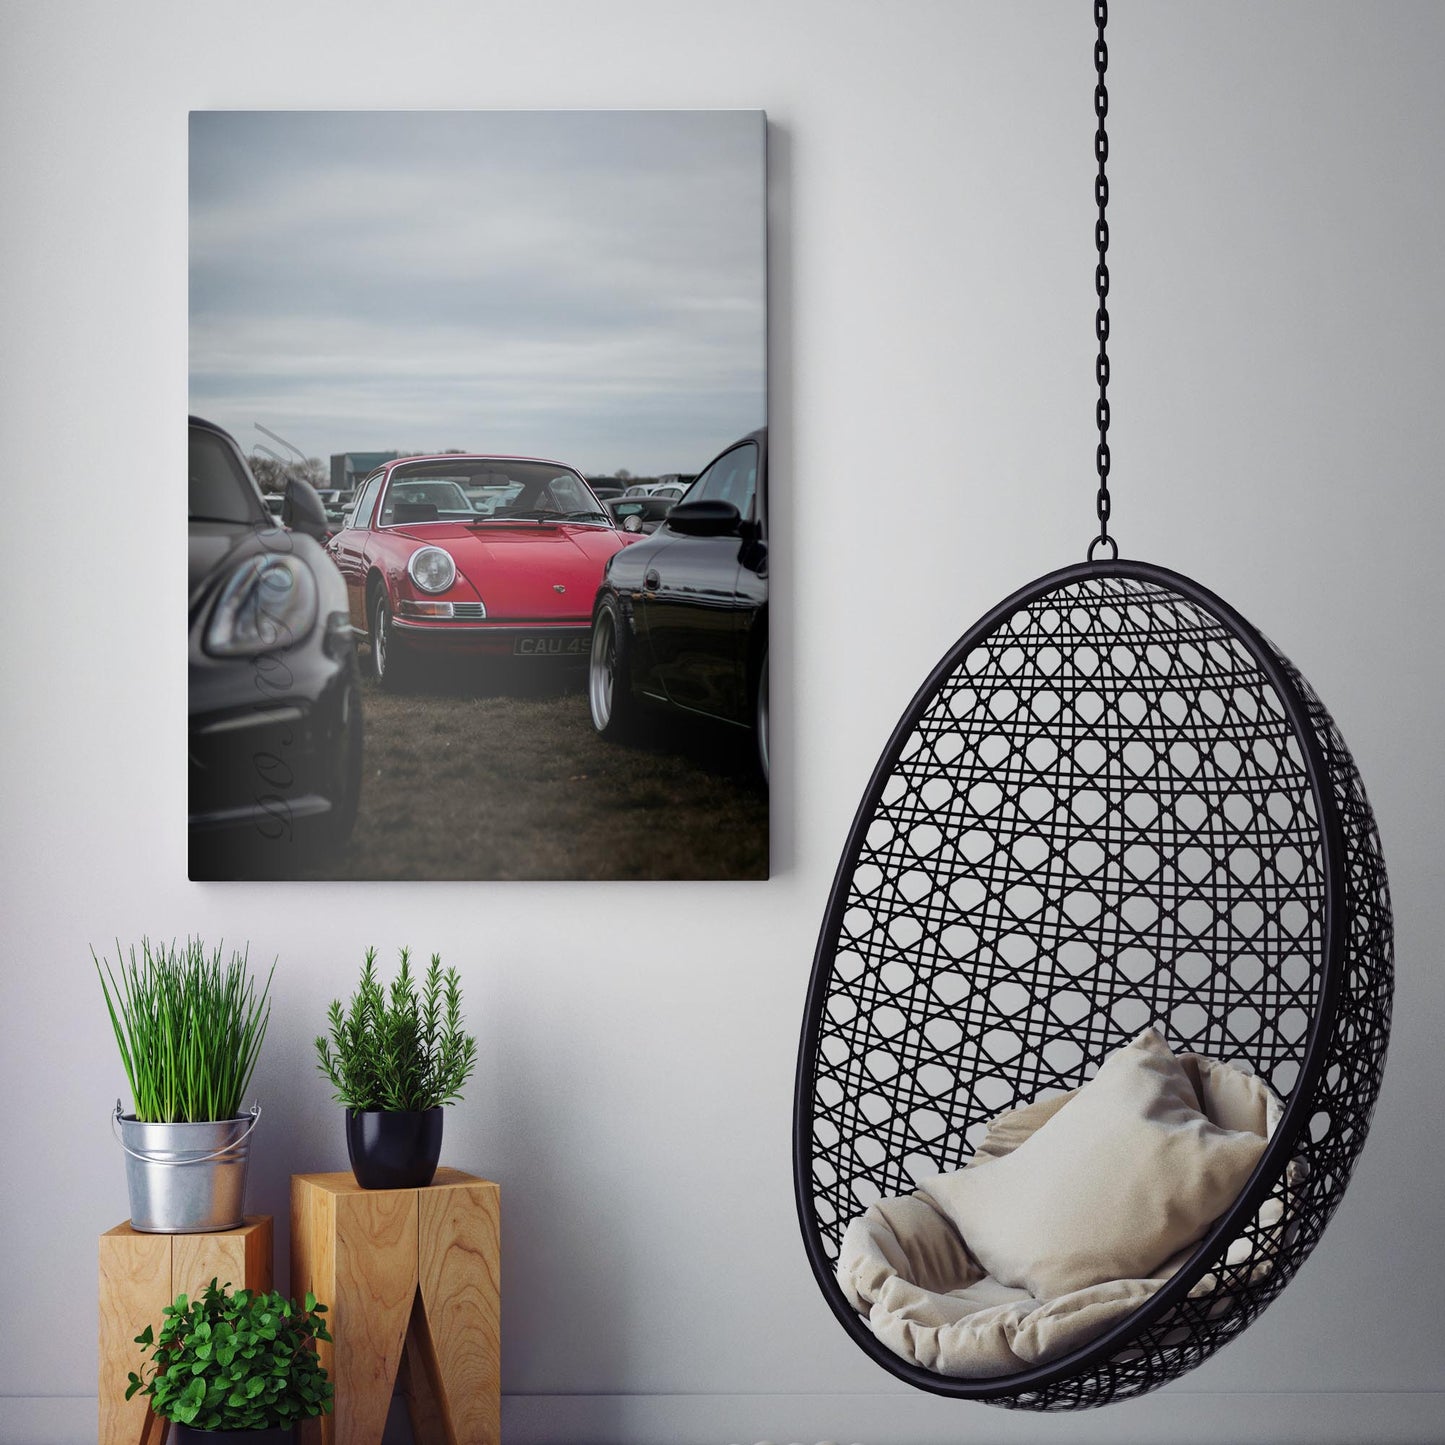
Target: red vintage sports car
476,555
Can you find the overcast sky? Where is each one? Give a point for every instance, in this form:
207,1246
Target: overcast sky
585,286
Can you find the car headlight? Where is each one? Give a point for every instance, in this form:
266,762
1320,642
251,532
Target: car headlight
432,569
268,602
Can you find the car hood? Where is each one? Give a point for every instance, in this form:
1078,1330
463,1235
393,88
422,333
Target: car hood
216,547
518,569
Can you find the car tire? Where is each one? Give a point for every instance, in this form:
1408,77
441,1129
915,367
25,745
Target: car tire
609,674
760,716
391,666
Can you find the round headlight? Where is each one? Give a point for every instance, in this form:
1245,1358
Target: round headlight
432,569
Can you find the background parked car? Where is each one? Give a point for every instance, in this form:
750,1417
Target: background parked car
671,491
681,617
275,709
639,514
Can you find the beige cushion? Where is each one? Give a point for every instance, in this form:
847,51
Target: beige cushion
907,1269
1118,1179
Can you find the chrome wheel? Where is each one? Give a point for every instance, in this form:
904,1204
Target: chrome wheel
609,676
602,670
760,720
380,626
392,663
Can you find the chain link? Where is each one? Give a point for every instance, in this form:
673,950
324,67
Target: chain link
1103,506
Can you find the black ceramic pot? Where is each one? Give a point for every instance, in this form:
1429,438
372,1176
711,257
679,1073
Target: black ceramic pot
394,1150
189,1435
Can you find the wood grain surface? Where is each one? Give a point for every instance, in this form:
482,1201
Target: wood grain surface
140,1274
459,1273
412,1278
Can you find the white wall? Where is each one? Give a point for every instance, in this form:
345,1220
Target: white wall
1279,296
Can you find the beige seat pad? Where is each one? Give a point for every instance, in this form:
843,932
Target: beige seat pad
906,1268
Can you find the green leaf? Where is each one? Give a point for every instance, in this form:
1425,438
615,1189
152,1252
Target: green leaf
239,1360
189,1028
395,1048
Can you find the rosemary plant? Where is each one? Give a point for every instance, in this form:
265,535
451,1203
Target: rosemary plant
394,1049
189,1027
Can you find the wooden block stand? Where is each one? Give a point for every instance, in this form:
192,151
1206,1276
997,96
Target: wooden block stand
140,1274
412,1281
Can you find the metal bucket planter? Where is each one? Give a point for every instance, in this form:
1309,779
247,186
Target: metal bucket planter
186,1178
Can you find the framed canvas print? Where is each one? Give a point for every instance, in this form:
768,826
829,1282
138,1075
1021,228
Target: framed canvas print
478,495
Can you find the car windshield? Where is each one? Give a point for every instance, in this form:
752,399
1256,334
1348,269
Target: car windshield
432,500
481,489
489,498
220,489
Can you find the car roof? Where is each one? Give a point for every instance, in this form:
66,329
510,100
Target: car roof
211,426
478,457
760,436
634,501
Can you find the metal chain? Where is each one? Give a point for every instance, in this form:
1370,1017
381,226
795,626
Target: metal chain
1103,505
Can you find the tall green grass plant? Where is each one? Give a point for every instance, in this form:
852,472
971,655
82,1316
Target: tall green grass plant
189,1027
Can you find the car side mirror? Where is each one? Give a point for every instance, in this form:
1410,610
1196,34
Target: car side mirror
302,510
705,519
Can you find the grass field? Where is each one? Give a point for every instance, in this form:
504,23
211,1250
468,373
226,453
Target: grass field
499,774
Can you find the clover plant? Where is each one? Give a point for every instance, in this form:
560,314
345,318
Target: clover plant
242,1361
394,1049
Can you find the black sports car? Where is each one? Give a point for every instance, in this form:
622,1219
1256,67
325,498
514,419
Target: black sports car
275,712
681,617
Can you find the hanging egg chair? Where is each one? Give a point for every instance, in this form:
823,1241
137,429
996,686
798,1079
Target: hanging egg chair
1113,804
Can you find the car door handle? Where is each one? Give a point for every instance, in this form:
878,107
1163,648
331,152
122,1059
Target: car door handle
651,579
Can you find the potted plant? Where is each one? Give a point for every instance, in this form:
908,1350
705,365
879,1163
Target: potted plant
236,1367
190,1028
394,1059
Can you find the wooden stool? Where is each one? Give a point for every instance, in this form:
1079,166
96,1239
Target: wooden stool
140,1274
411,1278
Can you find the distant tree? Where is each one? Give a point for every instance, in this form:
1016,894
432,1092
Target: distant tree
622,474
273,474
270,473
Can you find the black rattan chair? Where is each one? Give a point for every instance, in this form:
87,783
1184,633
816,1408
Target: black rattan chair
1113,803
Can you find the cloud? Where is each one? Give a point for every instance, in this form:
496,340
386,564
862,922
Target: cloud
587,285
